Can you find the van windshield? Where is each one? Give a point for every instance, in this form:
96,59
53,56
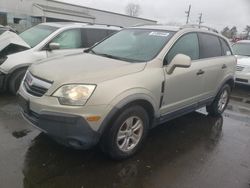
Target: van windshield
133,45
37,34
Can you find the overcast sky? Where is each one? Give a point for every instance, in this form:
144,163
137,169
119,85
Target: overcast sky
216,13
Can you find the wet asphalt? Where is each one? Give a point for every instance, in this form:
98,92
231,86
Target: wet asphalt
196,151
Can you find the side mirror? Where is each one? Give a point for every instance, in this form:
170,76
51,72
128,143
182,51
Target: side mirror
180,60
54,46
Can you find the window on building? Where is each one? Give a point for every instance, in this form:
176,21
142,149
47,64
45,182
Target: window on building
16,20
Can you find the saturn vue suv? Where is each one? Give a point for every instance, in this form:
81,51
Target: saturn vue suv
117,90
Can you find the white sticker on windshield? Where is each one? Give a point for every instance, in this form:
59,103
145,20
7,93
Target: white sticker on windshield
159,34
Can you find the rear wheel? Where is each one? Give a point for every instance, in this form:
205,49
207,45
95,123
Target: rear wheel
221,101
126,134
15,80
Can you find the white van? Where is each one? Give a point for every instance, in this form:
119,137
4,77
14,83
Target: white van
44,41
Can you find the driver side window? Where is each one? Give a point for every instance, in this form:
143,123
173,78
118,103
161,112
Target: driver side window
187,45
69,39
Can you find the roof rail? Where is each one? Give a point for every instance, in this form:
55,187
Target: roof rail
143,24
199,26
108,25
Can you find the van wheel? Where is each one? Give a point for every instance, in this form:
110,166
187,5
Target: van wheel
127,133
15,80
220,102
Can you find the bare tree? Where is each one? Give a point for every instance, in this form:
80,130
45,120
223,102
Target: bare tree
233,32
247,29
133,9
226,32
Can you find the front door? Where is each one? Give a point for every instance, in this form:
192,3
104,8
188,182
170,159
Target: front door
183,87
70,41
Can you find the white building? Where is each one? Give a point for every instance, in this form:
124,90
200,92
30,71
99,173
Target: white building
21,14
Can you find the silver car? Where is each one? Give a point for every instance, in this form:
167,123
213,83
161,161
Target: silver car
134,80
41,42
242,50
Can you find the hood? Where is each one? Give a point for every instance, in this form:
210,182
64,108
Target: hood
9,38
243,60
83,68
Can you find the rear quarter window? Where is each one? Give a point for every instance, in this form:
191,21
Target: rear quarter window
225,48
209,46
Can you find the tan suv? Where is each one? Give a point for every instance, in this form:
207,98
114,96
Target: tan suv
119,89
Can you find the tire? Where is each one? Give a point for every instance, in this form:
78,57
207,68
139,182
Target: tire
131,139
15,80
220,102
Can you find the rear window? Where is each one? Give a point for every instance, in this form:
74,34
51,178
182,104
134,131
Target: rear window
209,46
225,48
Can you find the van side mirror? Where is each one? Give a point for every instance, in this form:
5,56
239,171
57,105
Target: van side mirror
180,60
54,46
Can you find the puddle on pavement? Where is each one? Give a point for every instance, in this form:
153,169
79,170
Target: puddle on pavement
20,134
238,99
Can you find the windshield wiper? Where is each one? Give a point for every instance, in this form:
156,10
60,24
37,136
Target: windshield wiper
89,50
118,58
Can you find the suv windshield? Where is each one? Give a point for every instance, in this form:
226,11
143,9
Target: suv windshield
241,49
37,34
133,45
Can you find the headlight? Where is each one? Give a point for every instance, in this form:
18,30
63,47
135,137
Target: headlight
3,59
74,94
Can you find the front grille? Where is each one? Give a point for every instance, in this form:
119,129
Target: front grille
35,86
239,68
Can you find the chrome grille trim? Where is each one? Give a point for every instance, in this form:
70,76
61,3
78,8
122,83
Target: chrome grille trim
35,86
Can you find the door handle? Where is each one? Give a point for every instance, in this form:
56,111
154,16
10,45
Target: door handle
200,72
224,66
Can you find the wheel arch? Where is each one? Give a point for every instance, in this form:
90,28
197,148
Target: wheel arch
125,103
229,80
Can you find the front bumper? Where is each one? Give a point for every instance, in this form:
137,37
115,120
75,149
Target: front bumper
66,124
69,130
242,78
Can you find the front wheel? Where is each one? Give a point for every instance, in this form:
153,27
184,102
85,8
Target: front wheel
126,134
221,101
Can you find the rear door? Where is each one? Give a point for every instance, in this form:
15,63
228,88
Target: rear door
213,62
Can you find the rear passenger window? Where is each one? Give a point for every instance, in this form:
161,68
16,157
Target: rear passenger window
92,36
209,46
225,48
187,45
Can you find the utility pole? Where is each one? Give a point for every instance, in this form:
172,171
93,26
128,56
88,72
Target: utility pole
188,13
200,19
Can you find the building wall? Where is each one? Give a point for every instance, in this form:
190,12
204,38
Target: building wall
22,14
